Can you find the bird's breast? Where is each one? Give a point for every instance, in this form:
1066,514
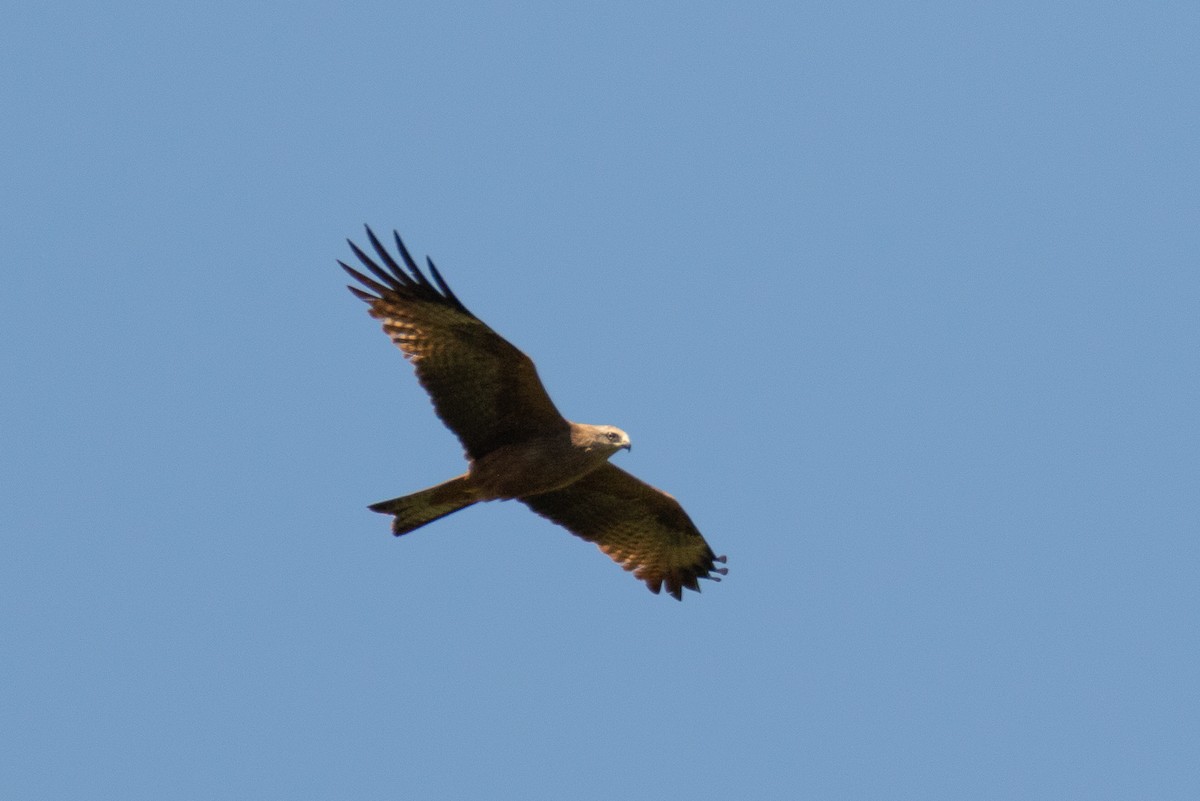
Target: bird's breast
532,467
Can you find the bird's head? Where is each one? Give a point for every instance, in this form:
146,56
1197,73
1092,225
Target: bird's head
607,439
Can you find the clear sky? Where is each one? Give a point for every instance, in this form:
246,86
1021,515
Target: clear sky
901,301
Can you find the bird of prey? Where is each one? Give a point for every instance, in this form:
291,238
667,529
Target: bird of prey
517,444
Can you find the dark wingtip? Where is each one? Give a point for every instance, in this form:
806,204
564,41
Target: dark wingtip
409,261
369,283
407,280
366,297
441,282
394,276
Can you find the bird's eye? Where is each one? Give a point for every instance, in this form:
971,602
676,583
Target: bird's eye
612,436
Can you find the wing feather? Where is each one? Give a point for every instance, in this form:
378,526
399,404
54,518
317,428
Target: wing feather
483,388
641,528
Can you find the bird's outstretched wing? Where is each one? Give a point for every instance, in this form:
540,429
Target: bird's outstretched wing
484,389
643,529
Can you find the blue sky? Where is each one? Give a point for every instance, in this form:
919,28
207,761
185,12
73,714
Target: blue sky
899,300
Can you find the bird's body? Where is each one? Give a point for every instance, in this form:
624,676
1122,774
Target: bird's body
541,464
517,444
518,470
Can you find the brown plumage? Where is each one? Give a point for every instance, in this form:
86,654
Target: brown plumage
517,444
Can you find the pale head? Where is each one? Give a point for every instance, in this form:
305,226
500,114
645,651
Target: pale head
602,439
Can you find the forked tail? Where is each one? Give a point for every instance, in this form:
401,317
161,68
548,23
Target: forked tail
414,511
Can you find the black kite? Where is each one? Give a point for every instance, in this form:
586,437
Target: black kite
517,444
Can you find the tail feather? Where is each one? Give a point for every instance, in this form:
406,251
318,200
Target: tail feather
413,511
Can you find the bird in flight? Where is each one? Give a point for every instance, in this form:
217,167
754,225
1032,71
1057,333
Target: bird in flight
517,444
